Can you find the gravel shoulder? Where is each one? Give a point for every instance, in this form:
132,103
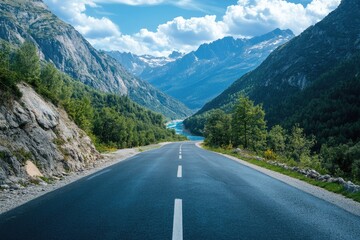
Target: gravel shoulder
347,204
13,198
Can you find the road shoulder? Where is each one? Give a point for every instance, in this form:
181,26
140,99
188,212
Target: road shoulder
347,204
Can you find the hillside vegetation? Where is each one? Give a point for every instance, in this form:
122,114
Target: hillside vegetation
112,121
246,128
59,43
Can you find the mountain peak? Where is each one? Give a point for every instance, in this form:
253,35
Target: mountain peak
278,31
176,55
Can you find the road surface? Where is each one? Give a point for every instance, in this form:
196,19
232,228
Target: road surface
178,192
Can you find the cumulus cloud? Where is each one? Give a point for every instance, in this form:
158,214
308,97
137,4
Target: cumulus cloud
245,19
254,17
88,26
191,31
179,34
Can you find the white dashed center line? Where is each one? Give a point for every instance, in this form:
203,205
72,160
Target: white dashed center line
178,222
179,172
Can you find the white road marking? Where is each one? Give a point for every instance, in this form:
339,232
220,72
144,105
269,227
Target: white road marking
98,174
178,222
180,157
179,172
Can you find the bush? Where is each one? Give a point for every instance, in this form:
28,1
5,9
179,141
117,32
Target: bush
269,155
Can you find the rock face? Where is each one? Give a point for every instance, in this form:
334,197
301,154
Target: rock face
60,43
201,75
32,129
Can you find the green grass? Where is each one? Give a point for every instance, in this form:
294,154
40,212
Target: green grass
22,155
47,180
332,187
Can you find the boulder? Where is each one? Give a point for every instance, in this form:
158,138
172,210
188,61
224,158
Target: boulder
33,130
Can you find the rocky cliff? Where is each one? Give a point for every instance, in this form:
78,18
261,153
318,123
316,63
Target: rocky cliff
36,134
60,43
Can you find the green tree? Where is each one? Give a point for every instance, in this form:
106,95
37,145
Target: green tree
248,125
217,129
50,83
27,63
299,146
342,159
8,78
82,112
5,56
276,139
51,78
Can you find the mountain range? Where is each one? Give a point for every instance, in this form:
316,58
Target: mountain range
312,80
59,43
138,64
201,75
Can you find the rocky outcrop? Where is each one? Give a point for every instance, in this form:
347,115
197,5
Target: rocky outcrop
32,129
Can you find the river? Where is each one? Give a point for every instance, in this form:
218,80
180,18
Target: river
178,126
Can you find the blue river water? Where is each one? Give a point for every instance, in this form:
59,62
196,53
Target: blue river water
178,126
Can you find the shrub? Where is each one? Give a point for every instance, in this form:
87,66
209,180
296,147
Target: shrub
269,155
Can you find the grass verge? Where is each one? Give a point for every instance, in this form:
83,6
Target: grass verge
332,187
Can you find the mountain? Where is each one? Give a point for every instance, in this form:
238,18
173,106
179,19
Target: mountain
138,64
312,80
60,43
52,122
201,75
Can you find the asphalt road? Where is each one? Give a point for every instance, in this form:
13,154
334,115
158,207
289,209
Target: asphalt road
178,192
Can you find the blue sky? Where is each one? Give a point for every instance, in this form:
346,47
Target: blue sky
133,18
159,27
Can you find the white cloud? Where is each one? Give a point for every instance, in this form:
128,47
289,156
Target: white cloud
191,31
90,27
178,34
254,17
246,18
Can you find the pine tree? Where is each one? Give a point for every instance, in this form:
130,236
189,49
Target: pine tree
248,125
299,146
276,139
27,63
218,129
